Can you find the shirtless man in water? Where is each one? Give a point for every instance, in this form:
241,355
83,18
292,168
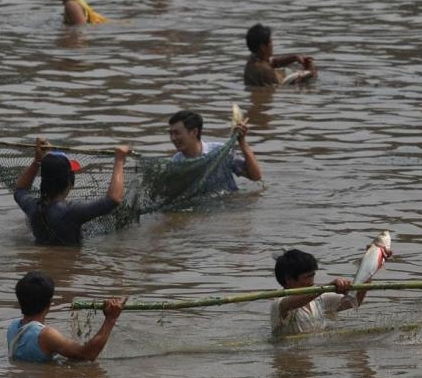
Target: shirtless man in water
261,68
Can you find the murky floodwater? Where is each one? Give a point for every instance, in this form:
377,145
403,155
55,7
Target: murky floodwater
341,159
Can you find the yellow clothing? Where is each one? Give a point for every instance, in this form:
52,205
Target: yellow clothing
91,16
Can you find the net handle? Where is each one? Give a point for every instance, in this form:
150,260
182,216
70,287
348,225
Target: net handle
66,148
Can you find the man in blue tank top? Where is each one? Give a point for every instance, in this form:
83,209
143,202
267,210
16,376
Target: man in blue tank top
29,339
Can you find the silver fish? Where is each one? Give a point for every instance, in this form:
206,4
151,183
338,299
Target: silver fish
296,77
374,257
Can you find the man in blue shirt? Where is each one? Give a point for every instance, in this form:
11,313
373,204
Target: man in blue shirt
185,133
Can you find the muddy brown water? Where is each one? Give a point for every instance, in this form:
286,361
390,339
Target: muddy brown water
341,160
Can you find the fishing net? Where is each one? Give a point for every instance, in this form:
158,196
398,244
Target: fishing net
151,183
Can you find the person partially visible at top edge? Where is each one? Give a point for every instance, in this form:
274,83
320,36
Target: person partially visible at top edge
186,135
53,219
78,12
262,68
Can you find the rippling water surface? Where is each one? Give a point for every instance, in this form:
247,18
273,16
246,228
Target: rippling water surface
341,160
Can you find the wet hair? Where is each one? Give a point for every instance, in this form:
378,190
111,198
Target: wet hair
56,176
190,120
292,264
256,36
34,292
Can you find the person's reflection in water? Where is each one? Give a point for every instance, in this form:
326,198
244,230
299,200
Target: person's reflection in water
292,364
62,369
261,99
72,39
160,6
358,363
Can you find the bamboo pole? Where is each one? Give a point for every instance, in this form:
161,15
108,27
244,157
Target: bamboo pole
64,148
247,297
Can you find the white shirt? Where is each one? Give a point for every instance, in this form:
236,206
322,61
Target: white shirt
309,318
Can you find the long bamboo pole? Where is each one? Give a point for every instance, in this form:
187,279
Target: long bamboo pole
65,148
247,297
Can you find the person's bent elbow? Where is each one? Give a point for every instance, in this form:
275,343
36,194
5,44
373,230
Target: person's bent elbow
116,198
256,176
90,356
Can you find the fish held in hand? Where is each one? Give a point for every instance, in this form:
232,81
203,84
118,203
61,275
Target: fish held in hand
376,254
237,116
297,77
374,258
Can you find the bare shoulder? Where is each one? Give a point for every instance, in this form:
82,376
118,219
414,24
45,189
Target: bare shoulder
72,6
49,340
259,73
74,12
50,332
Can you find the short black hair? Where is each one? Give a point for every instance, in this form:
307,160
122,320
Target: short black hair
256,36
190,120
34,292
292,264
56,176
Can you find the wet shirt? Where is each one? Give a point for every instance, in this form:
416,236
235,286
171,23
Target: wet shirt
260,73
60,222
237,166
22,341
309,318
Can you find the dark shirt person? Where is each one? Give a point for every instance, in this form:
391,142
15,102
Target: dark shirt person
29,339
53,219
262,68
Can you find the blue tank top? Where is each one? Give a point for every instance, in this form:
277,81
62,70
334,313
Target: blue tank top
22,341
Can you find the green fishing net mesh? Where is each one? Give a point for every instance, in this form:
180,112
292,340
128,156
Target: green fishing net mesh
151,183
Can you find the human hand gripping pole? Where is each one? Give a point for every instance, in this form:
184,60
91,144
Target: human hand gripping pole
41,148
113,307
25,180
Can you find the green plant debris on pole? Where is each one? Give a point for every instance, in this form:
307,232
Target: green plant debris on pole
247,297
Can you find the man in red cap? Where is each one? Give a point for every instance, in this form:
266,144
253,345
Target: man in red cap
53,219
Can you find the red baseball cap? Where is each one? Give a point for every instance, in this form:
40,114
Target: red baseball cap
74,164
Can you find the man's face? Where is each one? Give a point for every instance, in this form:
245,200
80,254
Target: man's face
303,280
182,138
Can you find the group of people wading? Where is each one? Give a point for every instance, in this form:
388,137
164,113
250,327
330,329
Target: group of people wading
55,220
